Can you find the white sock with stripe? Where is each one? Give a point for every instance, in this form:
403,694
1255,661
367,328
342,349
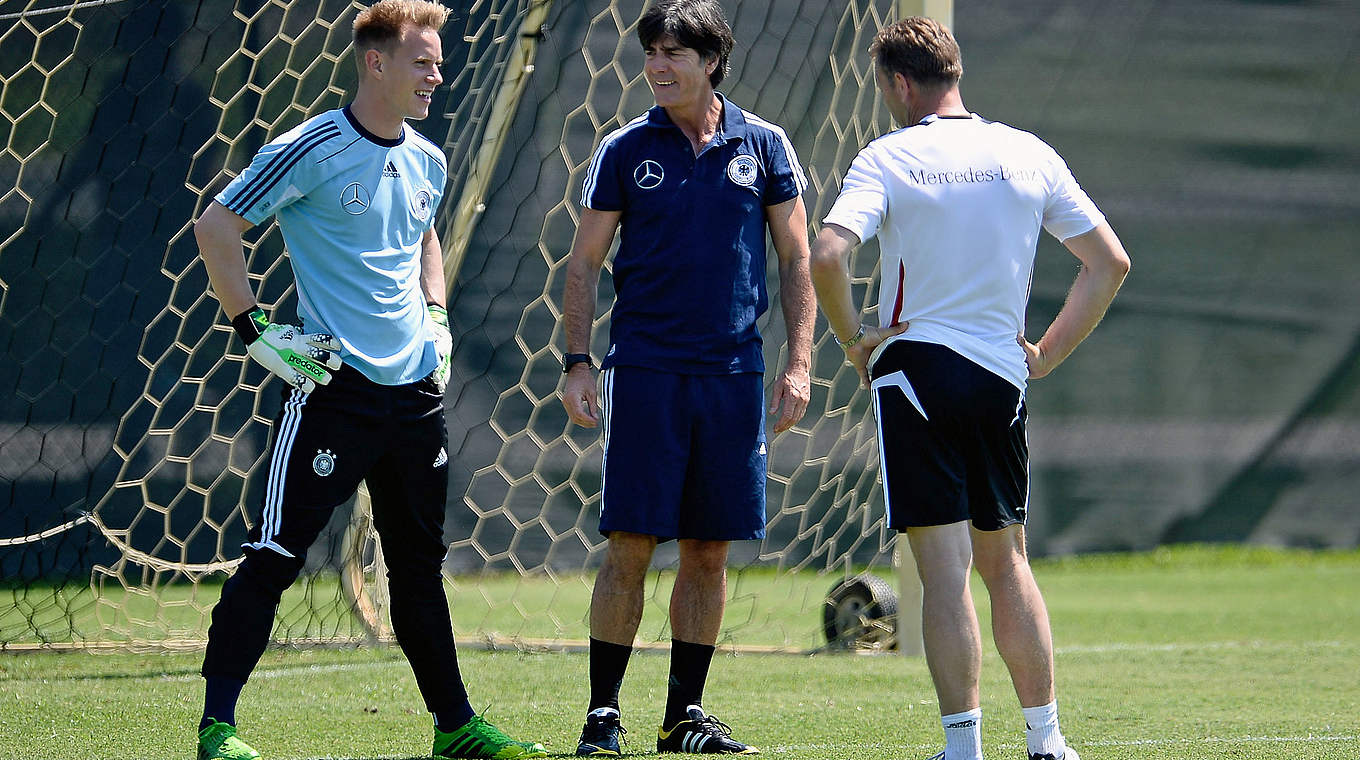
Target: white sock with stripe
963,735
1042,735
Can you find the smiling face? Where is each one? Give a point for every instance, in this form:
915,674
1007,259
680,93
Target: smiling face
678,76
408,74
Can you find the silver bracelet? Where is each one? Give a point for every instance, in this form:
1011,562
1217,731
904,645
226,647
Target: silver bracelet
859,336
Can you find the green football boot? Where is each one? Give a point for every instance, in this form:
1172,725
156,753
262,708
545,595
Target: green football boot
217,741
479,739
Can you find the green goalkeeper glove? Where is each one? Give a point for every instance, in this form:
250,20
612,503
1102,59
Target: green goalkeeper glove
300,359
443,345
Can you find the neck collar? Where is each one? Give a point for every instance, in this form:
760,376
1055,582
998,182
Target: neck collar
731,124
934,117
367,135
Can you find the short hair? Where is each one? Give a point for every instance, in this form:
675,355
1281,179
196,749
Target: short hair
381,24
920,49
699,25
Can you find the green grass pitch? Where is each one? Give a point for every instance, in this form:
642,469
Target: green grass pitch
1190,653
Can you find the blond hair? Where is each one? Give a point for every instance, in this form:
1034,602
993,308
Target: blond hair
920,49
381,24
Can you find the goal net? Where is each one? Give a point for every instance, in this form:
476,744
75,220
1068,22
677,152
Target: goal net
133,442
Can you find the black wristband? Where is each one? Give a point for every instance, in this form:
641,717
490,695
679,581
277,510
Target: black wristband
571,360
250,324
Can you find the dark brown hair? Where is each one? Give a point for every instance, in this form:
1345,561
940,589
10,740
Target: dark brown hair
920,49
696,24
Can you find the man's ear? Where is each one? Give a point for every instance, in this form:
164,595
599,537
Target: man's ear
373,60
902,83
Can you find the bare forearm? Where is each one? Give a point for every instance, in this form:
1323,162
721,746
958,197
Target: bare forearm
788,231
219,245
831,279
799,305
1104,266
578,304
1090,297
432,270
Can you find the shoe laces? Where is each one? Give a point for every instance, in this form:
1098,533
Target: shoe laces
484,730
599,727
711,725
218,733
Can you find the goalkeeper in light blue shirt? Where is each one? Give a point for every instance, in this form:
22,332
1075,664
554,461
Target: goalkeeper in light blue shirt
354,191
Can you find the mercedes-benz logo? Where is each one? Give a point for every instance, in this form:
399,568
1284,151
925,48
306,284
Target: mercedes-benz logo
354,199
648,174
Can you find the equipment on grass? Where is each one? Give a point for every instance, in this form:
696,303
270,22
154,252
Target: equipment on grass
861,613
1068,754
299,359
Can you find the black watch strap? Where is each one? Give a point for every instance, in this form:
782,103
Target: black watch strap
571,360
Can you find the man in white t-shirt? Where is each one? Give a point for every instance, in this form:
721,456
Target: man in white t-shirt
957,203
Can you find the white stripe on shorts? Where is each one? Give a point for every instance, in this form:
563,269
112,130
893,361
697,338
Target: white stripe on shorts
606,410
898,380
272,518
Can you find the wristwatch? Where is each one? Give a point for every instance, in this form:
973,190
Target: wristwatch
859,336
571,360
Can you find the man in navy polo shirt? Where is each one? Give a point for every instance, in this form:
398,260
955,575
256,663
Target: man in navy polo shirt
693,184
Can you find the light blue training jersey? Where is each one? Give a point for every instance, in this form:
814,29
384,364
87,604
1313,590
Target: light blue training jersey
353,208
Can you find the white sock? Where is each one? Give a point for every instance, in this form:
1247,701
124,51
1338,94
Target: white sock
963,735
1042,734
605,712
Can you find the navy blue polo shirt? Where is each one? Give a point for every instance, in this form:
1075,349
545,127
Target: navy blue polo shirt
689,275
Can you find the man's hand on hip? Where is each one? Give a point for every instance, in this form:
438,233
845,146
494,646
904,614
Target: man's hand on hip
858,354
301,360
1036,360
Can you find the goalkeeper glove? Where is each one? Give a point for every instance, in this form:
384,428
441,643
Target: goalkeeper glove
443,345
300,359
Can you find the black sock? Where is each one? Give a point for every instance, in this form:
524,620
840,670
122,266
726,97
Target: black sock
689,671
219,700
607,664
449,721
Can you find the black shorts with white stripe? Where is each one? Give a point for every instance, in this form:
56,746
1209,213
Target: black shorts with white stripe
951,439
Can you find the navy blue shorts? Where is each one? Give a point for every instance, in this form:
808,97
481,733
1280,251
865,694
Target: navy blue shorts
684,455
951,439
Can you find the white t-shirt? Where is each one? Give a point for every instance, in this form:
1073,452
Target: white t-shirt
957,204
